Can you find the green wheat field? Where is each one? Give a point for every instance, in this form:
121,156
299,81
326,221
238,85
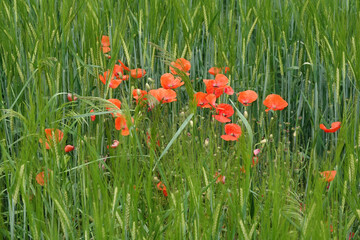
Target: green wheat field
74,165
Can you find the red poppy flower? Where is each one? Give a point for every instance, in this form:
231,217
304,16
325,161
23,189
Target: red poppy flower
168,81
40,178
163,95
71,98
274,102
114,83
115,102
216,70
69,148
105,44
137,73
139,94
204,100
224,112
328,175
92,116
233,132
58,135
220,178
160,186
334,127
180,65
220,90
121,124
247,97
220,81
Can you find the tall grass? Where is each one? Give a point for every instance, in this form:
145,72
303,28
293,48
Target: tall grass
306,51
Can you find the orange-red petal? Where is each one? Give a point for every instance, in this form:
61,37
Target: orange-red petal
334,127
328,175
69,148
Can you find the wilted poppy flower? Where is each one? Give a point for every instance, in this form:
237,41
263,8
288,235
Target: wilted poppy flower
120,124
160,186
69,148
328,175
115,144
247,97
40,178
92,116
220,178
105,44
224,112
168,81
116,102
204,100
255,159
71,98
180,65
124,66
139,94
58,135
233,132
216,70
163,95
134,73
220,81
274,102
334,127
148,139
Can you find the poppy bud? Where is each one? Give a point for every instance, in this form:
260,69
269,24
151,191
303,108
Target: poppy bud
151,80
294,134
132,89
271,136
138,92
191,123
206,142
246,115
263,141
147,87
182,114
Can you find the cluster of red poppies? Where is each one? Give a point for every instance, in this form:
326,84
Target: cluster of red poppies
215,88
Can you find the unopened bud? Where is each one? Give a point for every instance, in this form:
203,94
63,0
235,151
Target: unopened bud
263,141
206,143
191,123
271,136
151,80
294,134
147,87
246,115
182,114
138,92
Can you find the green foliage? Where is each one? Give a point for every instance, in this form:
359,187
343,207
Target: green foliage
305,51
